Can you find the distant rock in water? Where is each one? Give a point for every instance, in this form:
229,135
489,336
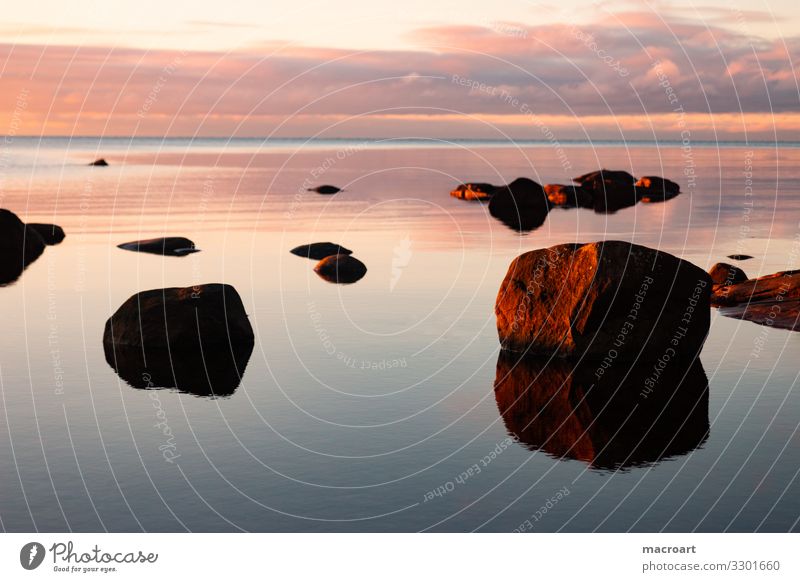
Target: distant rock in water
610,299
208,317
173,246
320,250
611,190
474,191
19,246
217,371
521,205
725,274
325,189
610,418
656,189
568,196
341,269
740,257
99,162
51,234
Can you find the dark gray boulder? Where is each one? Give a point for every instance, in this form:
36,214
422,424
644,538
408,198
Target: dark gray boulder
172,246
320,250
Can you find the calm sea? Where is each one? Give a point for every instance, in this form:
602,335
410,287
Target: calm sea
371,407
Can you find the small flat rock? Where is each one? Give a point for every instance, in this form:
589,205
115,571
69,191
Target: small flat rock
99,162
341,269
740,257
172,246
320,250
326,189
479,191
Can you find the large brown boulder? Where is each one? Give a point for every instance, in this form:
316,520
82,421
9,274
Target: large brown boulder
19,246
628,416
207,317
521,205
607,300
725,274
340,269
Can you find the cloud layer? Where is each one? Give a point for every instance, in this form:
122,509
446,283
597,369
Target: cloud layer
631,75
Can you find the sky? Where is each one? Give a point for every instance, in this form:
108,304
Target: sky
565,69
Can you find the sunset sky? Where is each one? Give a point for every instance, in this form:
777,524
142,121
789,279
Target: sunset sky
606,69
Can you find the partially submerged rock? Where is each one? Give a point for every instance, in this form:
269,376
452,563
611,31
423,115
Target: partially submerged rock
51,234
608,300
99,162
19,246
740,257
611,190
656,189
341,269
568,196
769,288
173,246
474,191
325,189
627,416
320,250
725,274
181,320
521,205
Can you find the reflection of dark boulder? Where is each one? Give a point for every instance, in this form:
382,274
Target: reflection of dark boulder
610,418
19,246
99,162
215,371
341,269
319,251
474,191
521,205
725,274
568,196
172,246
325,189
207,317
51,234
595,299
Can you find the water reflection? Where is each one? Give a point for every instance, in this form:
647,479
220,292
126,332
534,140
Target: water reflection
215,371
623,417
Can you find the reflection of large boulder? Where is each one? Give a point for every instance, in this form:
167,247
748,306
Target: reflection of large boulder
203,317
621,418
521,205
212,372
19,246
607,299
